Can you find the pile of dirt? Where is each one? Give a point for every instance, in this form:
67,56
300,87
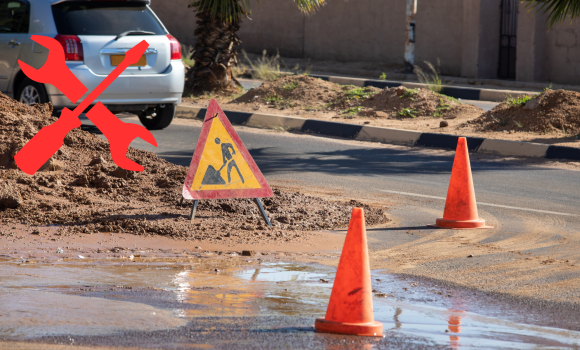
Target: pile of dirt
306,93
81,187
401,103
313,94
549,112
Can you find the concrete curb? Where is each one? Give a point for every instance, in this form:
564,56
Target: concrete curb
388,135
464,93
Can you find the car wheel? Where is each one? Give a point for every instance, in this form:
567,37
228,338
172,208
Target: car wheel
30,92
158,117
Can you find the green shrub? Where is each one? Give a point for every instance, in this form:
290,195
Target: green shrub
407,112
354,92
353,110
517,102
410,93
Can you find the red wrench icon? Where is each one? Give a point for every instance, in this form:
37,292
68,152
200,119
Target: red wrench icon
50,138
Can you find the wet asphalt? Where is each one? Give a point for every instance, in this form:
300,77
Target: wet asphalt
245,333
263,304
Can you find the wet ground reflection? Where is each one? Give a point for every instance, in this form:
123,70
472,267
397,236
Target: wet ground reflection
278,289
97,297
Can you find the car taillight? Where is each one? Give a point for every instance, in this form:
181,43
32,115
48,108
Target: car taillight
175,48
73,49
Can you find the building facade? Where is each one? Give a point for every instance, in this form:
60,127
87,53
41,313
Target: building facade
487,39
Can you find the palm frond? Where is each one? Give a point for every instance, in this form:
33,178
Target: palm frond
234,11
558,10
309,5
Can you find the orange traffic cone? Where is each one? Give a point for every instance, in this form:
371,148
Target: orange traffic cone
460,207
455,328
350,310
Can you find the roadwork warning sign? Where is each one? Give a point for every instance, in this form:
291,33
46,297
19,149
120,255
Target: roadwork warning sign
221,166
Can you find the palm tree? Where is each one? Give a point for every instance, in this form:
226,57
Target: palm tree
558,10
214,52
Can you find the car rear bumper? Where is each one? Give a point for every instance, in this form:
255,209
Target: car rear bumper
166,87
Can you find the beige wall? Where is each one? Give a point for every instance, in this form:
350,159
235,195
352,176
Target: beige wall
177,18
361,30
356,30
563,54
275,25
531,47
547,55
438,37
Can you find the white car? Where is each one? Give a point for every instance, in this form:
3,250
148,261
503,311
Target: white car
95,35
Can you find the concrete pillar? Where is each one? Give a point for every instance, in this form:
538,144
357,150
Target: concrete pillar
531,62
480,41
438,38
470,39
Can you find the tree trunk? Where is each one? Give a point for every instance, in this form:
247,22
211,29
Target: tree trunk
214,55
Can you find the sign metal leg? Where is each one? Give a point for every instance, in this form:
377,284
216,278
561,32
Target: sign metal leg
193,209
262,211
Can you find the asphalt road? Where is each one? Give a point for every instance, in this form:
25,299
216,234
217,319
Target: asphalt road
367,167
485,105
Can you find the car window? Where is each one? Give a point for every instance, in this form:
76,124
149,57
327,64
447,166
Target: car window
14,16
103,18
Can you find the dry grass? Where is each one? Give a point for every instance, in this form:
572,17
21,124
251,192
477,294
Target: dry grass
185,55
265,68
432,80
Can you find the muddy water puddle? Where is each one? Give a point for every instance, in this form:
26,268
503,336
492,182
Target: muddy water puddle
106,297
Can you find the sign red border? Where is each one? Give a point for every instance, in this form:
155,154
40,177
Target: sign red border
265,191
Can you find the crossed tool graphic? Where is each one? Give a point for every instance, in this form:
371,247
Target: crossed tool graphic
50,138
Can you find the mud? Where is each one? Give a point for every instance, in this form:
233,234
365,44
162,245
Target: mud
553,112
82,190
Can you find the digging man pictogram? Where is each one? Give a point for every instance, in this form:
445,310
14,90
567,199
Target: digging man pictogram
214,177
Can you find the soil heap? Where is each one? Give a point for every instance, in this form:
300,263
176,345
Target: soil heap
552,111
307,93
80,187
402,103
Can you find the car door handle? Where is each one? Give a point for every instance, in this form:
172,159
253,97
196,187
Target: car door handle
13,42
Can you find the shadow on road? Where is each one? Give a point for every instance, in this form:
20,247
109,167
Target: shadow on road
366,161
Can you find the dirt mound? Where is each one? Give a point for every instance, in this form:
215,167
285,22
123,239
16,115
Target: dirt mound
552,111
304,92
82,188
312,94
411,103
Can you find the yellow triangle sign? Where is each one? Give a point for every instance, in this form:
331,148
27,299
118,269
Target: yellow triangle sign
221,166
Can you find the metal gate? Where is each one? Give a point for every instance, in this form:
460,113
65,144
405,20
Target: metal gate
508,39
